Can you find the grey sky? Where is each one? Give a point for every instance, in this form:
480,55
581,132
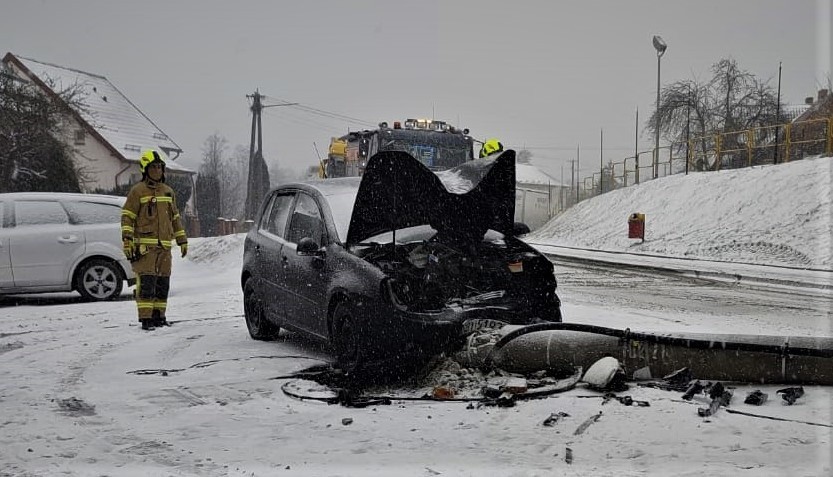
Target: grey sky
545,75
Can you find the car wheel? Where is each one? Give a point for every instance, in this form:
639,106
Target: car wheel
260,328
99,280
346,337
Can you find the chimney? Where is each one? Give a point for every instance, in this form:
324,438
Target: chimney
823,94
808,100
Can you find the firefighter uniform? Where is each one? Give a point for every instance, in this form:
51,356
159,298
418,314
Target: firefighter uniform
150,226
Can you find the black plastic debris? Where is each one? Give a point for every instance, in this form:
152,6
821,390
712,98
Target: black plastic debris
584,425
694,388
682,376
720,396
790,395
506,399
625,400
491,391
554,418
755,398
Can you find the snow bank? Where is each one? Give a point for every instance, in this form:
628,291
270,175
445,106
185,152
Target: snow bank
768,215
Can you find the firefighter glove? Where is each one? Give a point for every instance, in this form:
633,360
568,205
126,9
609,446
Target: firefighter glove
184,249
127,246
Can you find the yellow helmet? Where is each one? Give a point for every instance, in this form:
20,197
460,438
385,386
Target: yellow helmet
149,156
491,146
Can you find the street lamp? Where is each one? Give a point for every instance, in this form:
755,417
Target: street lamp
660,46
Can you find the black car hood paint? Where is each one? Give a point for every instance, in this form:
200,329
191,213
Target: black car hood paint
397,191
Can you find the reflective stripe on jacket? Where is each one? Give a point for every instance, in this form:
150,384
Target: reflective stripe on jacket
150,216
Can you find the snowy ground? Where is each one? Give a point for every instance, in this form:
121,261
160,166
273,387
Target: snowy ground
84,392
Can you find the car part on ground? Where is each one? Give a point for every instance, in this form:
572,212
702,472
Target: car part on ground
558,347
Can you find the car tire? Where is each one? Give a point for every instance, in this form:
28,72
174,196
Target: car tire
346,337
260,328
99,280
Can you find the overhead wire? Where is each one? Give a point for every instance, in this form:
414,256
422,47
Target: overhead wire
290,118
321,112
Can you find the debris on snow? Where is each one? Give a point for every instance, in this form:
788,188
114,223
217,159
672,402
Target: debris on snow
790,395
554,418
584,425
755,398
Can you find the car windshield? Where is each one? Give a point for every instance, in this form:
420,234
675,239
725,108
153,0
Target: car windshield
342,208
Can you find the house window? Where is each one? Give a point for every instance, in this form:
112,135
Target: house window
80,137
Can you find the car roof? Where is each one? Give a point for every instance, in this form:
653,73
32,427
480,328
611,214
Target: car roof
109,199
327,187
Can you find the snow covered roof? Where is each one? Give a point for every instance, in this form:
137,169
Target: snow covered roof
119,123
529,174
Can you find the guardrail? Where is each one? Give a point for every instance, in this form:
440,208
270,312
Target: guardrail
714,152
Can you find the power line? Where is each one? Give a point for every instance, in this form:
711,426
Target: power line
321,112
288,119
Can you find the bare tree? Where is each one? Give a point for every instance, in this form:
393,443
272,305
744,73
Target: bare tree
234,177
732,100
209,185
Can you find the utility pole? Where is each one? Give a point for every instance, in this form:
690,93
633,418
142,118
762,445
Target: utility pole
778,113
257,185
573,179
688,130
636,146
578,169
601,161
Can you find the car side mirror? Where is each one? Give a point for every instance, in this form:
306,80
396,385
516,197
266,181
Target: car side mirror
308,246
519,228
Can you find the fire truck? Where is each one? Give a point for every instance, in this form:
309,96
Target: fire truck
437,144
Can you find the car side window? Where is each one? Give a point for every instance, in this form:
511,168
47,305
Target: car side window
39,212
306,221
93,213
278,215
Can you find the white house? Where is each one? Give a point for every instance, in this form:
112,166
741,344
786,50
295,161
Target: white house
538,196
109,135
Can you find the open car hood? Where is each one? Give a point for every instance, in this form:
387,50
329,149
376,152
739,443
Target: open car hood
397,191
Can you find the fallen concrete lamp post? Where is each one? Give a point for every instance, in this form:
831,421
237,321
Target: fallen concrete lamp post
559,347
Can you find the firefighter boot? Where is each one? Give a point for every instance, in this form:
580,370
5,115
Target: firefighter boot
154,319
147,325
159,319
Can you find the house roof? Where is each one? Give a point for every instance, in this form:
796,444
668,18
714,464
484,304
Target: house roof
109,115
822,107
529,174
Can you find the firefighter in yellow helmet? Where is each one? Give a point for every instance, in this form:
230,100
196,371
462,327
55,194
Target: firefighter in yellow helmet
150,224
490,146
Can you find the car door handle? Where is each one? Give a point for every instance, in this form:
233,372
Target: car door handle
68,239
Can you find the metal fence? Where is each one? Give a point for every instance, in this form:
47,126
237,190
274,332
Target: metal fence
714,152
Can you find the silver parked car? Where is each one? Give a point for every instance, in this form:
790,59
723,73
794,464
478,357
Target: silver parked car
61,242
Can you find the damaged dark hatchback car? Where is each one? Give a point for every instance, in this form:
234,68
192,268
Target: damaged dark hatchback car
396,262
